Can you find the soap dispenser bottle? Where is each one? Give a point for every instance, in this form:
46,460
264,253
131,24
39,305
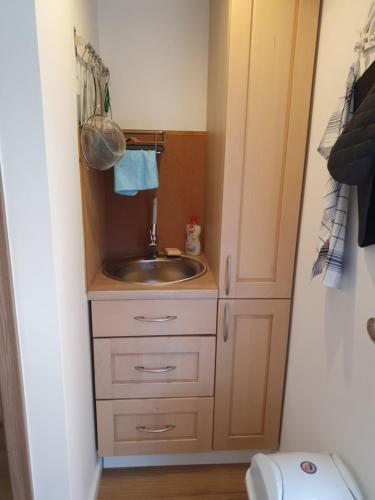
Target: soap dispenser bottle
193,231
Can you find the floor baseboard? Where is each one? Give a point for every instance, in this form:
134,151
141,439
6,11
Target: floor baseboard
214,457
94,490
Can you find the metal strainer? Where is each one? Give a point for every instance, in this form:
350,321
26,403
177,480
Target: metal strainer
102,141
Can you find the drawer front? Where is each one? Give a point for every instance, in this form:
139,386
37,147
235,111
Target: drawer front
133,318
154,426
154,367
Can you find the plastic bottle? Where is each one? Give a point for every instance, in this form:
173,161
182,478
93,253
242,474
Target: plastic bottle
193,231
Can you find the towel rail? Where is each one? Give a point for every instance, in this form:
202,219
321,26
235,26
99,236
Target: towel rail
154,141
159,148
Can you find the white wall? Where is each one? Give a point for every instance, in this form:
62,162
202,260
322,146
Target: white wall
330,403
55,22
38,142
157,52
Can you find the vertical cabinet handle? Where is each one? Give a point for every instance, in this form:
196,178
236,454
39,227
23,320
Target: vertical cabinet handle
228,275
226,322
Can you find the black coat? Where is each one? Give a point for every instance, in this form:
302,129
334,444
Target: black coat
352,159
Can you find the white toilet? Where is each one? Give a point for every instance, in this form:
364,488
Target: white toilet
300,476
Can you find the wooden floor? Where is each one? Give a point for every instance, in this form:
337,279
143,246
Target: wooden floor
206,482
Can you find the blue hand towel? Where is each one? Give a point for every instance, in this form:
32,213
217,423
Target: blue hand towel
136,171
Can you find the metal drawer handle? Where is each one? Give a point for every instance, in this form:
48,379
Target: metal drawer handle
226,322
167,428
228,275
155,319
154,370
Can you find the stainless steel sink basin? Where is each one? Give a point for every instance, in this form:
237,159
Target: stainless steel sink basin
162,270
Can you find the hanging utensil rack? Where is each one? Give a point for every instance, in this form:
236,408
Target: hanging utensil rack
152,140
89,57
94,79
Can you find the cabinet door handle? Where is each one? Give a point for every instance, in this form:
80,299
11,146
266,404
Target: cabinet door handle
226,322
167,428
228,275
161,319
154,370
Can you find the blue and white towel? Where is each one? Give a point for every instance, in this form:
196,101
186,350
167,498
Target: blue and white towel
329,259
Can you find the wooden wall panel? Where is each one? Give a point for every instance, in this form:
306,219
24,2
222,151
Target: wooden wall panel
182,181
93,183
180,195
119,225
128,221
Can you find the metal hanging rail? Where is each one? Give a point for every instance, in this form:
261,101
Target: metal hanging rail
89,57
155,141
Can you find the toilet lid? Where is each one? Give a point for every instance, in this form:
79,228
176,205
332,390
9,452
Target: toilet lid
300,476
315,475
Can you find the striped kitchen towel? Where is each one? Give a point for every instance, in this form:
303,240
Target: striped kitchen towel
329,260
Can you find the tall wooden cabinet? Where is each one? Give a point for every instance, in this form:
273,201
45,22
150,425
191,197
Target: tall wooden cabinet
260,76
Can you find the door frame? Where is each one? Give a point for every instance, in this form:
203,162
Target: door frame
11,384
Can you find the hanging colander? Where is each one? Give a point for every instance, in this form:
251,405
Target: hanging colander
102,141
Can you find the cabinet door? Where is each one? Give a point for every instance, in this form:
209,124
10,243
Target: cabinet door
250,365
271,58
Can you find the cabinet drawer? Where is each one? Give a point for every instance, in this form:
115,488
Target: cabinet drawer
154,367
132,318
154,426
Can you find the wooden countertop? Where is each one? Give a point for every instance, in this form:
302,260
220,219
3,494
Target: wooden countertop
105,288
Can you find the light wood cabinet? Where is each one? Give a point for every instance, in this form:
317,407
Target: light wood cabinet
138,318
251,350
257,130
146,426
261,60
154,367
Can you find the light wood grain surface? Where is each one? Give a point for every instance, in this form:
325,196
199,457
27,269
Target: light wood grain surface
186,423
127,367
204,482
125,318
5,487
216,126
11,386
250,368
258,141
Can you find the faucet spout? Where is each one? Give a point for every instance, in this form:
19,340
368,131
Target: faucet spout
153,246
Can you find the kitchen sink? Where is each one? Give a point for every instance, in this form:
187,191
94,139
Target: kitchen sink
160,270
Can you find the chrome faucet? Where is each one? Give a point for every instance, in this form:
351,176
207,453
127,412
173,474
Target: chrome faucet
153,245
